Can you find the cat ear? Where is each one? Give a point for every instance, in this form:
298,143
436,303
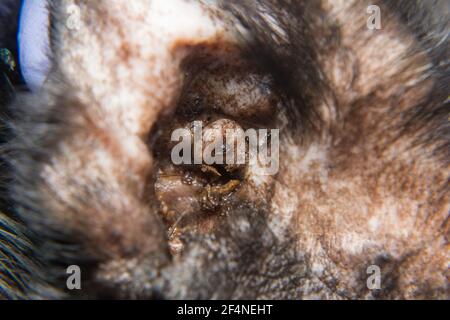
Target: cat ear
33,42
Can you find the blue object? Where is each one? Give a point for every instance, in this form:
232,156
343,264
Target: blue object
33,42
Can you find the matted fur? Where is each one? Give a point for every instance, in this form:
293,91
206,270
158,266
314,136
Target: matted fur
364,156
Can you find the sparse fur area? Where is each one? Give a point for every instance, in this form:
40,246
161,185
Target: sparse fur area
364,155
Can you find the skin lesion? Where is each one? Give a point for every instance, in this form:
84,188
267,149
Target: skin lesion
197,198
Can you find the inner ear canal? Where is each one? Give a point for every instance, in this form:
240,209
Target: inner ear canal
224,96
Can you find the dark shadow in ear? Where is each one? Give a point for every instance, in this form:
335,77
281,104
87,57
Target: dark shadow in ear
284,40
428,22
